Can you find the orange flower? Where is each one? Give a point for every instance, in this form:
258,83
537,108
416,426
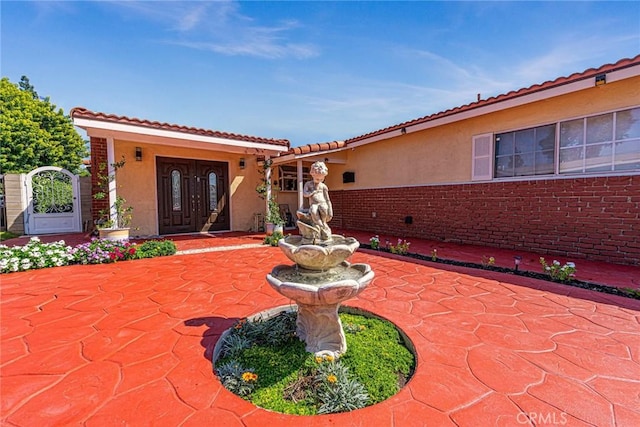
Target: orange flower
332,378
249,376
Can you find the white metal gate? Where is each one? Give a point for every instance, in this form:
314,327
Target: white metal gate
53,196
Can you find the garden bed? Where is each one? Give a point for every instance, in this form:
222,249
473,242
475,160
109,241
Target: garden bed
623,292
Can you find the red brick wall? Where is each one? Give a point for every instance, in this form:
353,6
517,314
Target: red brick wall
98,156
596,218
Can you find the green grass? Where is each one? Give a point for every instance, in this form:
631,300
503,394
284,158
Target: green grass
376,357
6,235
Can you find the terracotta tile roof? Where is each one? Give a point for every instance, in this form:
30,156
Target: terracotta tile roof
83,113
316,148
590,73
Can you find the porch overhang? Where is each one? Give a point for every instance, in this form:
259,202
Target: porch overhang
123,128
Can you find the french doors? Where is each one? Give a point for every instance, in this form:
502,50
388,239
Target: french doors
193,195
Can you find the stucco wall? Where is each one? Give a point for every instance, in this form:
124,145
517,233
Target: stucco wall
136,182
443,154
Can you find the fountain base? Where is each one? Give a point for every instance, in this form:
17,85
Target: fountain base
318,296
321,330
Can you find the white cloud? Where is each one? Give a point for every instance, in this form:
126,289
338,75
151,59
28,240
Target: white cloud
220,27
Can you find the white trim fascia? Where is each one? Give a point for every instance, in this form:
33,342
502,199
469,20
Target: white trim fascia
612,76
290,157
115,128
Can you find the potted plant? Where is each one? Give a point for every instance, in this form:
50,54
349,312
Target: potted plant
275,223
273,220
114,221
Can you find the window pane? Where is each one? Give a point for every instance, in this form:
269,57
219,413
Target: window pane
526,152
504,144
504,166
627,155
571,159
524,141
572,133
546,137
176,191
600,129
598,157
544,162
524,164
628,124
213,191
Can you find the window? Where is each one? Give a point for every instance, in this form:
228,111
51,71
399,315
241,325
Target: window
213,191
288,177
525,152
608,142
176,190
603,143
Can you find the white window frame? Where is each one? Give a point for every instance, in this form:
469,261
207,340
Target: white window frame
479,157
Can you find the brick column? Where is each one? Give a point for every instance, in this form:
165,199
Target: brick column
98,157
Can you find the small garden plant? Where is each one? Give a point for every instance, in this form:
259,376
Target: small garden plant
264,362
488,261
374,242
556,271
400,248
273,239
34,255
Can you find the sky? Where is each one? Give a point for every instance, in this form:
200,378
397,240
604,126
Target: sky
308,72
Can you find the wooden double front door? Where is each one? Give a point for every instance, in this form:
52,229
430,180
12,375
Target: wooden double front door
193,195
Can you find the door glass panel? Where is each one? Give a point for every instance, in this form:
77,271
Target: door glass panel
213,191
176,190
52,192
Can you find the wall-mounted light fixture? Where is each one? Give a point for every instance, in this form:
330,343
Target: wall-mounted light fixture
242,163
601,79
138,154
403,131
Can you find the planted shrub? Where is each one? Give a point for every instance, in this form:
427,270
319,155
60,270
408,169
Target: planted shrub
273,239
154,248
34,254
100,251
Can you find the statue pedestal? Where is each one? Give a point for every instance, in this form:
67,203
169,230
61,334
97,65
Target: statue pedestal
320,328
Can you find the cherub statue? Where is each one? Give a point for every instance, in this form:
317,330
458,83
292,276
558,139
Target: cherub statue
313,222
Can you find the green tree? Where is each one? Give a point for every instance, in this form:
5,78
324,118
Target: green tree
34,132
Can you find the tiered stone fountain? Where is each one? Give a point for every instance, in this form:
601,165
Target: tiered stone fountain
321,278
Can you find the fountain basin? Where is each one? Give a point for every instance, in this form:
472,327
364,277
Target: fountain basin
318,295
318,257
320,288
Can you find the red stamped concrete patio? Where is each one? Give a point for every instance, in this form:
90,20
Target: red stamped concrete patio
130,344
